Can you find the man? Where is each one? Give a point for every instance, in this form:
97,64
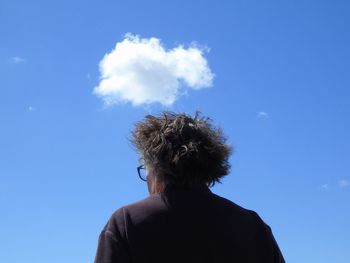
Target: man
182,220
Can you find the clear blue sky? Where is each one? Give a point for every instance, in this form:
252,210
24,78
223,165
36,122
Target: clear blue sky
65,160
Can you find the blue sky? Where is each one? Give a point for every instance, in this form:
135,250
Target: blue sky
280,93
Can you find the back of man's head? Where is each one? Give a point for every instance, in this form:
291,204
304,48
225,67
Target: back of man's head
183,150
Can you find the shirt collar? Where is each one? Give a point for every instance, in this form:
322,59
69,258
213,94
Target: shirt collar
202,188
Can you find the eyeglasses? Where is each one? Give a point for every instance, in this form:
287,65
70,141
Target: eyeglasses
141,170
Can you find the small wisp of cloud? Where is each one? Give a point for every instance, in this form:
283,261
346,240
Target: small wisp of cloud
18,60
262,115
325,187
343,183
31,108
142,71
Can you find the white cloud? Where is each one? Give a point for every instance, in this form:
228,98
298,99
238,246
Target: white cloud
142,71
343,183
262,115
31,108
18,60
325,186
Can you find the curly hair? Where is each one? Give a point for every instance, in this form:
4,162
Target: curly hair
184,150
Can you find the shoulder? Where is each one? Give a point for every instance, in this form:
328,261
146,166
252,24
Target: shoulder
237,213
232,206
136,212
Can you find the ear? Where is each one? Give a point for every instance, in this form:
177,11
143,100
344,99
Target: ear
158,185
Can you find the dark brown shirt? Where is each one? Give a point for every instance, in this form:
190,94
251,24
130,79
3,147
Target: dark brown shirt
186,225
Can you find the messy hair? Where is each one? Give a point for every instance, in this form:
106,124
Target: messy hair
183,150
